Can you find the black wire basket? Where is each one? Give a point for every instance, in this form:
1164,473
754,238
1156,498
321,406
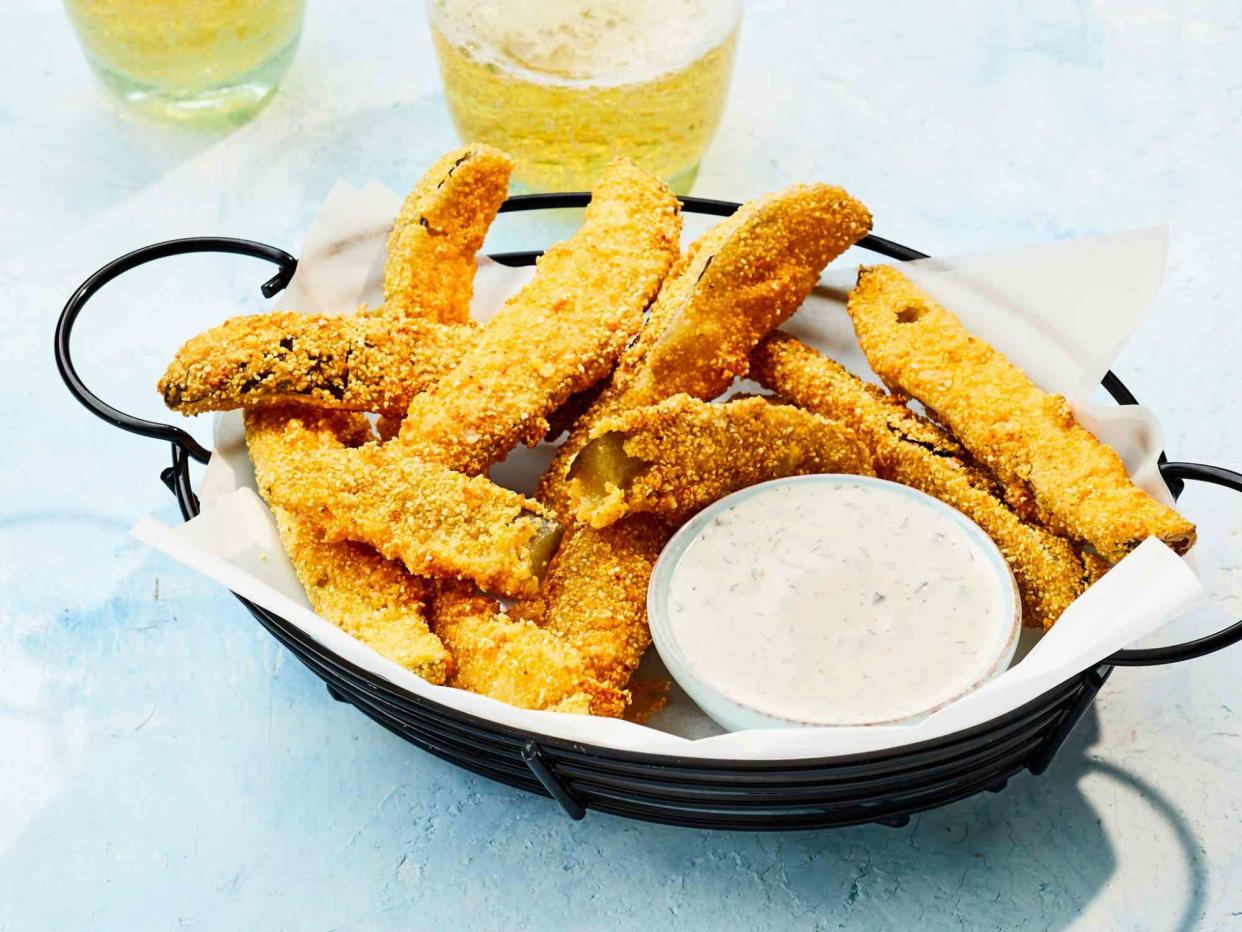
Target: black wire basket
883,786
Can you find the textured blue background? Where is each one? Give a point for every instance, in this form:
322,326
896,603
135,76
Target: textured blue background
164,764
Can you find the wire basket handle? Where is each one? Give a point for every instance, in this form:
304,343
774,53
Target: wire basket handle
179,438
1175,653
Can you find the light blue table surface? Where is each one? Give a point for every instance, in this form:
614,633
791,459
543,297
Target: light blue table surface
165,764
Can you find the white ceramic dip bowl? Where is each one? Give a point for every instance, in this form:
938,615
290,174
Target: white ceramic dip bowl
831,600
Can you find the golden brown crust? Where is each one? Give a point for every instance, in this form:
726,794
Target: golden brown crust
359,363
683,454
277,435
1029,438
739,280
743,277
595,594
909,449
372,361
559,335
372,599
516,661
435,521
438,232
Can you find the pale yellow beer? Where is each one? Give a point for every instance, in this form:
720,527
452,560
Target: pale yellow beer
564,85
189,58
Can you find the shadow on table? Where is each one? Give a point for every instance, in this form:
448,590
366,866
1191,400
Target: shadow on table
1196,892
1037,849
1036,853
1033,855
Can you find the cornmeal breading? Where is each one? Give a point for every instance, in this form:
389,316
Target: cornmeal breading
675,458
375,600
911,450
372,599
435,521
743,277
559,335
1027,437
438,232
374,361
359,363
595,594
515,661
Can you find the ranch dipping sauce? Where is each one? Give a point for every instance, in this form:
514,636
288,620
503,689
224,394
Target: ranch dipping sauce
835,600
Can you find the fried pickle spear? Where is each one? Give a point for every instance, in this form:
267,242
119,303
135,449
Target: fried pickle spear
915,452
435,521
373,599
595,594
559,335
440,229
361,363
1027,437
374,361
514,660
736,282
674,458
370,598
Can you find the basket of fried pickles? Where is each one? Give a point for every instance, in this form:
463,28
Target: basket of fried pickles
372,434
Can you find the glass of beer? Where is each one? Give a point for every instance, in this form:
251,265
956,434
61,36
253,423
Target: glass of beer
190,59
564,85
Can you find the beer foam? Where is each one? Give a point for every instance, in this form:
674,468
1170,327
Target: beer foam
586,42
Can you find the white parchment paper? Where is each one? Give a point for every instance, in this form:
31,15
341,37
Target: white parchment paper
1060,310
